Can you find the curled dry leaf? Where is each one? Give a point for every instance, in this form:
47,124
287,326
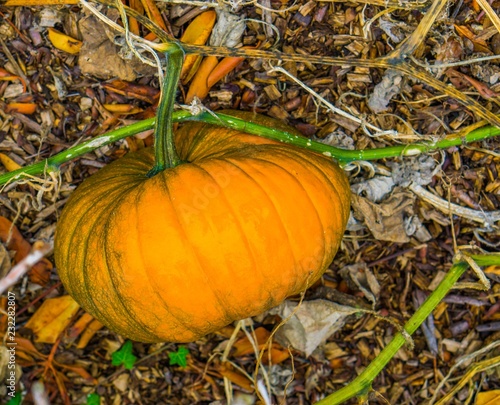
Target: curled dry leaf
89,333
197,33
236,377
9,234
50,320
244,347
228,29
389,87
64,42
8,163
364,280
100,57
385,219
311,324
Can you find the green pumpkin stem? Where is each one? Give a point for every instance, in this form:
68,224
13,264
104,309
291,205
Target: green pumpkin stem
165,153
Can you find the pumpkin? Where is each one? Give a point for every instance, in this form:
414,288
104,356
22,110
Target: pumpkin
241,224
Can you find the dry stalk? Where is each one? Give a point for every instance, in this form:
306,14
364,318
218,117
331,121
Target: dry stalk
459,363
488,218
401,4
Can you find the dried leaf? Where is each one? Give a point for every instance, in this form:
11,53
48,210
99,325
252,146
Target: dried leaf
482,88
101,58
480,44
244,347
488,398
197,33
23,108
364,279
8,163
122,109
385,219
374,189
64,42
50,320
311,324
414,170
79,326
199,86
89,333
389,87
228,29
226,370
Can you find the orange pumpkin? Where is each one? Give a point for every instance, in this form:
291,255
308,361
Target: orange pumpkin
244,223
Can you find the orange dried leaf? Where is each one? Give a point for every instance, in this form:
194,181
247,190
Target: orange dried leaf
154,14
122,108
199,86
23,108
64,42
6,75
79,326
89,332
224,67
8,163
476,6
495,269
243,346
25,345
132,22
235,377
278,355
197,33
50,320
27,3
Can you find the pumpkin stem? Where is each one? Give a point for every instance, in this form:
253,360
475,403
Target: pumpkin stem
165,153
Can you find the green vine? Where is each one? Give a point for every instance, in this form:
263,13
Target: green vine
228,121
361,385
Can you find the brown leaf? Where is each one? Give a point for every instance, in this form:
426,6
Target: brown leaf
9,234
480,44
482,88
